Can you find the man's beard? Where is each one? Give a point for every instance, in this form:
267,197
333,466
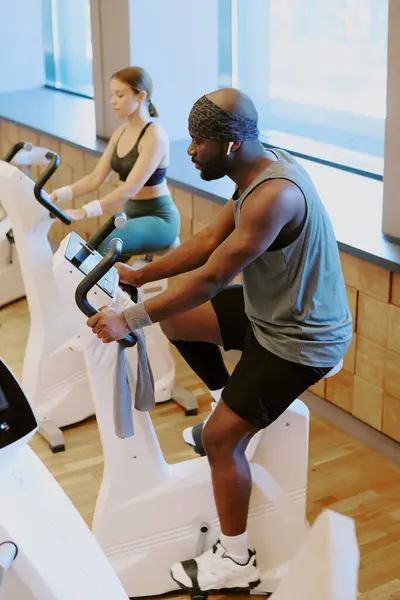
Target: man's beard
212,172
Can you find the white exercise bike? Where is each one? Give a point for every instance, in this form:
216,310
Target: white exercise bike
12,285
54,374
326,568
24,155
48,553
150,514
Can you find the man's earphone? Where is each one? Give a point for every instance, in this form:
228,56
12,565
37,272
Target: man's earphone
229,148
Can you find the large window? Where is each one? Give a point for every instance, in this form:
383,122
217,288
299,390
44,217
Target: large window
316,70
68,45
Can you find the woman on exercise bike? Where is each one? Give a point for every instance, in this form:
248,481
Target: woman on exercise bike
139,152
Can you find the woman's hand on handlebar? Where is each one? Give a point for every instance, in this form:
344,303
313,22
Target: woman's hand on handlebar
76,214
129,275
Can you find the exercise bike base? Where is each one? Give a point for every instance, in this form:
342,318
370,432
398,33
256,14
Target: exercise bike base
53,436
185,399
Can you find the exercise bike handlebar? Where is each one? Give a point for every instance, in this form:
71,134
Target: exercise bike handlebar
39,185
15,149
117,221
94,277
8,552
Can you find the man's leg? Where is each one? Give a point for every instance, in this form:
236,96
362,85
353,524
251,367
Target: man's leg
261,388
221,322
198,335
225,439
230,563
225,435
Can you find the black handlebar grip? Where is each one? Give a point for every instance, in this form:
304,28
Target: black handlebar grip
100,236
54,210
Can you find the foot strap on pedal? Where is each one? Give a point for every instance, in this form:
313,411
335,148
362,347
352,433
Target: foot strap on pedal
191,569
197,432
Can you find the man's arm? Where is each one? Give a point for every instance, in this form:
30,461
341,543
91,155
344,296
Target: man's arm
263,215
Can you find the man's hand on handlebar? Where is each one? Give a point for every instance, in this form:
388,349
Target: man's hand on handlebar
109,325
129,275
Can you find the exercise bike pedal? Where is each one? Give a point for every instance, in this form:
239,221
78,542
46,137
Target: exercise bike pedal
199,595
191,412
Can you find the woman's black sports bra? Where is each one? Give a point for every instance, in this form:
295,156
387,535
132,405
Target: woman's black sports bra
123,165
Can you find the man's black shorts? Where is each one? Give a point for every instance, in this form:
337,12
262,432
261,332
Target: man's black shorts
262,386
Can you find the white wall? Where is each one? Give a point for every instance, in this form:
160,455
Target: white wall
177,42
391,187
21,45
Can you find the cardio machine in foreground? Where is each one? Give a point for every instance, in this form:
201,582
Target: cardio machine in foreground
47,552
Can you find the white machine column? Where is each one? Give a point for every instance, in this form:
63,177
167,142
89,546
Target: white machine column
54,375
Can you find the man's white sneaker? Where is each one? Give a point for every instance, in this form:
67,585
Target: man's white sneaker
215,571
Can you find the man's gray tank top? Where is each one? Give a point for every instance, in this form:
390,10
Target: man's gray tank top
296,297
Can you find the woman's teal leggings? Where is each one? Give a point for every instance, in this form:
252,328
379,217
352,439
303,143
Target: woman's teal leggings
152,225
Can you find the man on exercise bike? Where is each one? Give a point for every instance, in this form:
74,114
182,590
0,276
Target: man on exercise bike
290,318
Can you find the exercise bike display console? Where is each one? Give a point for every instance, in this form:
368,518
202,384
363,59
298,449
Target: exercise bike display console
84,258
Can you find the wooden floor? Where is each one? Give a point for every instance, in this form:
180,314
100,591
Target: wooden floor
344,475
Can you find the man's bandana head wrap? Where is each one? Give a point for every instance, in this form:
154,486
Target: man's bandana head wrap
210,122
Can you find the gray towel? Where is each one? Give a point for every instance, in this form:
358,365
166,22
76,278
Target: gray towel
124,383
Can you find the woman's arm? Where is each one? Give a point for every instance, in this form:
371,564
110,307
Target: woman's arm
94,180
153,148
